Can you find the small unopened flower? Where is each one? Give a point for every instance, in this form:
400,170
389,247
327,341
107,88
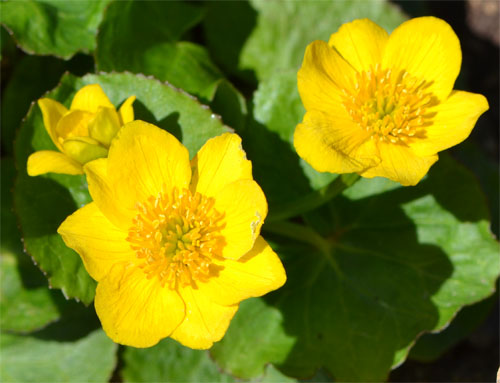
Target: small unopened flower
174,245
381,105
81,134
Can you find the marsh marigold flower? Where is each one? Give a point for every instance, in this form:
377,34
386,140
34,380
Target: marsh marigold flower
174,245
81,134
383,105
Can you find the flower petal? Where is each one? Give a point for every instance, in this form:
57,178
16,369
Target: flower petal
255,274
454,120
361,43
49,161
333,143
99,243
400,164
143,160
427,48
90,98
103,194
73,124
136,311
206,322
104,126
126,111
52,112
218,163
245,208
84,149
323,77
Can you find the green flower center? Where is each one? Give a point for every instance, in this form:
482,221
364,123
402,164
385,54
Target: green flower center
178,236
394,107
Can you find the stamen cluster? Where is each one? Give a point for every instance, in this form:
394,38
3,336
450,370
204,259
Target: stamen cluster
178,236
394,107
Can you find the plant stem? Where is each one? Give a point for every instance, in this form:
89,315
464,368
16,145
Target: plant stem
298,233
312,200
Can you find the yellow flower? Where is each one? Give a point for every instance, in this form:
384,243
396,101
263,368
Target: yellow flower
381,105
82,133
173,244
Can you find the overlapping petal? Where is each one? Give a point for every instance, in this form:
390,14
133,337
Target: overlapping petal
361,43
333,143
126,111
455,118
400,163
134,310
104,125
427,48
323,77
206,322
253,275
49,161
103,193
100,243
244,206
90,98
52,112
218,163
84,149
143,161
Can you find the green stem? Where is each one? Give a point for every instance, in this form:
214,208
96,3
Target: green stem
312,200
298,233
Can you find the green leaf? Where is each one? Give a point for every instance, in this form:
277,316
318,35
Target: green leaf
43,202
142,37
25,85
53,27
26,304
400,261
227,25
430,347
230,104
268,140
274,39
152,47
32,359
169,361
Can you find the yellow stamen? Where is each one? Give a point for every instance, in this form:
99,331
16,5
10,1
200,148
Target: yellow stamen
178,236
392,107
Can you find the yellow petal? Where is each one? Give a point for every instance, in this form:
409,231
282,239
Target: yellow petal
52,112
244,207
205,323
48,161
218,163
427,48
84,149
361,43
322,78
142,160
136,311
73,124
90,98
452,124
126,111
333,143
103,194
104,126
400,164
99,243
255,274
